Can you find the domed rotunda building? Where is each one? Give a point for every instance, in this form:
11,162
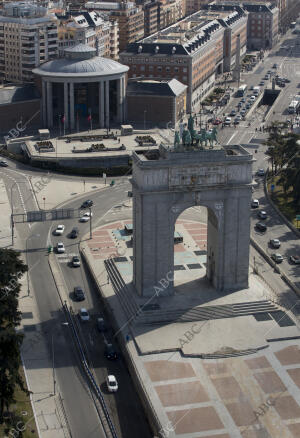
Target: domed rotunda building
82,86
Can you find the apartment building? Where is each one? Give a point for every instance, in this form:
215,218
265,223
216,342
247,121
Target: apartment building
92,28
28,37
150,8
263,24
191,51
129,16
169,12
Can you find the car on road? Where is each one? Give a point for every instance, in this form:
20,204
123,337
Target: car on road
252,86
84,314
286,80
74,233
3,163
228,121
86,217
79,294
262,214
243,100
253,98
75,261
217,122
274,66
266,77
261,83
109,352
243,111
101,326
255,203
59,230
277,257
236,121
239,117
295,260
261,226
260,172
86,204
269,72
240,104
60,248
233,112
247,106
275,243
112,384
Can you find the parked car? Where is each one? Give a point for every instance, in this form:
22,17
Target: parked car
3,163
261,226
286,80
261,83
60,248
74,233
295,259
86,217
86,204
252,86
260,172
262,214
101,326
84,315
275,243
79,294
255,203
247,106
75,261
228,121
112,384
59,230
253,98
109,352
243,100
277,257
243,111
236,121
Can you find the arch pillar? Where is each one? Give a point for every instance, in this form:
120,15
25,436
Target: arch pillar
44,103
72,118
66,105
49,105
107,104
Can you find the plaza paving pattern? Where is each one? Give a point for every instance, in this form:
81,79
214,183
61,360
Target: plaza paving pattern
252,397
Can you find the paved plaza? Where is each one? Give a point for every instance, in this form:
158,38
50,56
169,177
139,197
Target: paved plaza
253,395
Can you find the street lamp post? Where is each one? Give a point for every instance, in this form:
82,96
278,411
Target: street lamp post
91,232
27,274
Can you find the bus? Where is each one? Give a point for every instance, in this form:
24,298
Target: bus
242,90
294,105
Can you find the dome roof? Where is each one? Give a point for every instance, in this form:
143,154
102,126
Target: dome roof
80,60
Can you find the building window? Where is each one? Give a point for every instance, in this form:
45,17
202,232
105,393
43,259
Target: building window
159,68
167,68
150,67
184,70
142,68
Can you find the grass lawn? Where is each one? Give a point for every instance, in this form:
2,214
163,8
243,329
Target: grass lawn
20,420
283,201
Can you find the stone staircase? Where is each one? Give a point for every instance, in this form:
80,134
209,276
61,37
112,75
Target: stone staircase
205,313
124,295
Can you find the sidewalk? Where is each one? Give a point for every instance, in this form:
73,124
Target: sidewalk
47,408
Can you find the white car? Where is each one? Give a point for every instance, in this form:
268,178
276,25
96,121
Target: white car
228,121
60,247
255,203
252,98
86,217
75,261
60,230
84,314
112,384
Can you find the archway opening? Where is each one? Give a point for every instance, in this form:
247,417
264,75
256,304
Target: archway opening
196,247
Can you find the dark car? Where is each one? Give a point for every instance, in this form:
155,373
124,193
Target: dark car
74,233
3,163
295,259
109,352
260,226
78,293
101,326
86,204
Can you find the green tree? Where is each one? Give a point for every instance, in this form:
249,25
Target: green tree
11,270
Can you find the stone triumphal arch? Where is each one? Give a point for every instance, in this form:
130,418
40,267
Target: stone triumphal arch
168,180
